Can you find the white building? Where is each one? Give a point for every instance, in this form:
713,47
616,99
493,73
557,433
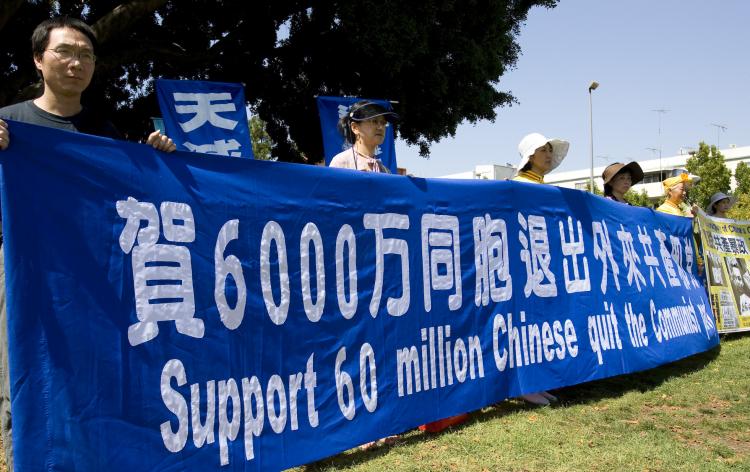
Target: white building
579,179
486,172
654,170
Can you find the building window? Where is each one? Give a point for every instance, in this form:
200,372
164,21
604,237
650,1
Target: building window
582,185
650,178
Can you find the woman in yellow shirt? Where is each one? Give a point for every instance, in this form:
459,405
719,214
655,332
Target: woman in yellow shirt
539,156
676,190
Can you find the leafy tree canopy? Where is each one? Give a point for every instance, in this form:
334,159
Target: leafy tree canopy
708,163
742,179
440,59
638,198
741,209
262,144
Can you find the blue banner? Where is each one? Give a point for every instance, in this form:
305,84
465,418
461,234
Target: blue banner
188,312
331,109
205,117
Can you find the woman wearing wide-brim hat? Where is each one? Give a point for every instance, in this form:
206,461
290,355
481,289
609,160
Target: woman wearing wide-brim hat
720,204
618,178
539,156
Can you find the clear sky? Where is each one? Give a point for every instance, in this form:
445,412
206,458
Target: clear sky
691,57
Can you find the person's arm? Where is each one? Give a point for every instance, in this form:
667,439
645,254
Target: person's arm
161,142
4,136
698,248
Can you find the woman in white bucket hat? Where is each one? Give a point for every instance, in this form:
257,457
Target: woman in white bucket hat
539,156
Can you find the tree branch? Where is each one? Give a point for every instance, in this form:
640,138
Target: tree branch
8,8
122,18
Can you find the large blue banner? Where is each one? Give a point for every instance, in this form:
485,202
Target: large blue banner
188,312
331,109
205,117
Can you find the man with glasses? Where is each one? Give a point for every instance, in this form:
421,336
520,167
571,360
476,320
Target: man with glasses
63,49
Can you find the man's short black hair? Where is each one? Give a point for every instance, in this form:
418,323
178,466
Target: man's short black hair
40,36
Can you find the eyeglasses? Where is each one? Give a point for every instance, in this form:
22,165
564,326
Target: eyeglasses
65,54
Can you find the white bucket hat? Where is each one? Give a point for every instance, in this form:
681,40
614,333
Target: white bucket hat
531,142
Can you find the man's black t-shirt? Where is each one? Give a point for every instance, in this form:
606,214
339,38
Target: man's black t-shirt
83,122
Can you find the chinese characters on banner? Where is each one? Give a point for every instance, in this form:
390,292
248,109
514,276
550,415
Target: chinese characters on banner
205,117
331,109
261,318
725,249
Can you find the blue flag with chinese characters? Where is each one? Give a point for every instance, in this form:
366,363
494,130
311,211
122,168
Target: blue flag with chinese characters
331,109
195,312
205,117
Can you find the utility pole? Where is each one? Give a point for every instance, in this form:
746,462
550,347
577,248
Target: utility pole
654,151
593,86
660,111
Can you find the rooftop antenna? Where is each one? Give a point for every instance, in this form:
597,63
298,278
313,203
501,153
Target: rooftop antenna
718,129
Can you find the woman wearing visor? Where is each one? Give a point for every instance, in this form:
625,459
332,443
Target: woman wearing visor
539,156
618,178
363,128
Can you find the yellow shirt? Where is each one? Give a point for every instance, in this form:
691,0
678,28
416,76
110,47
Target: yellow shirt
529,176
672,209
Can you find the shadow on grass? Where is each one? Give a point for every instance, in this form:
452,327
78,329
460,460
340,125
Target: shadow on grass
643,381
356,456
594,391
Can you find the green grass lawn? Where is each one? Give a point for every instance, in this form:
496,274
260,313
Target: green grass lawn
691,415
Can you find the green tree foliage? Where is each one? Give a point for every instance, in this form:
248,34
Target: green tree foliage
261,140
742,179
741,209
708,163
638,198
440,59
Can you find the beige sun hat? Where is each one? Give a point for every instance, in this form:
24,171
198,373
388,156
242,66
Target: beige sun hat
636,173
531,142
